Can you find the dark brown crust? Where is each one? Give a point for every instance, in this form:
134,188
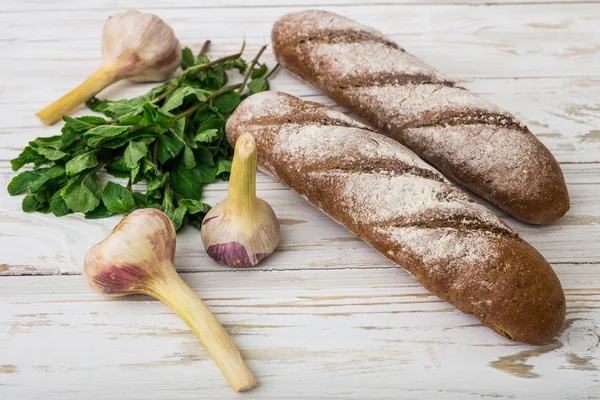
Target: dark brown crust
532,190
514,291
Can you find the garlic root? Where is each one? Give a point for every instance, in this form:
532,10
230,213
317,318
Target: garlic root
135,46
137,257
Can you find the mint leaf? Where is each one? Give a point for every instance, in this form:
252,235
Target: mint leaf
134,152
27,156
143,201
130,120
50,154
117,198
188,158
83,194
223,166
97,105
168,148
187,58
258,85
204,156
134,175
30,204
51,142
48,178
206,136
178,128
141,134
227,102
259,72
118,169
178,217
167,205
155,183
177,98
100,134
205,173
194,206
126,108
81,163
82,124
22,182
186,182
208,119
58,205
152,115
99,212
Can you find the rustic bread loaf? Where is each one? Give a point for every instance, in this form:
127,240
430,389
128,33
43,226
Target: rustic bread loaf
408,211
471,141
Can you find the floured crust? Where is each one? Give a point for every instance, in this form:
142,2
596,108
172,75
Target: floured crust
389,197
359,68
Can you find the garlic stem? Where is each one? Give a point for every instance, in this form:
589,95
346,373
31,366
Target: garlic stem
176,294
104,76
135,46
242,181
137,257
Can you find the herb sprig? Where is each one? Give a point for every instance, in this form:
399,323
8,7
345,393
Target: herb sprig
172,138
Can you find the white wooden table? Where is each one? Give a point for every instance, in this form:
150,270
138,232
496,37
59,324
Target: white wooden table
325,316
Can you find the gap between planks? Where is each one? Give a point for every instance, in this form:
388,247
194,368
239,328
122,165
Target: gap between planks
32,271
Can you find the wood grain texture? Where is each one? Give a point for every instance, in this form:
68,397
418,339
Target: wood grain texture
564,113
374,334
324,316
461,40
11,6
47,245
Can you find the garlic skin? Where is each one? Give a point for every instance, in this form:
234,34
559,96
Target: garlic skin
250,236
134,256
137,258
135,46
141,46
242,229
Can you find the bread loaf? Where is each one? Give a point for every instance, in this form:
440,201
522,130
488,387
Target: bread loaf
471,141
408,211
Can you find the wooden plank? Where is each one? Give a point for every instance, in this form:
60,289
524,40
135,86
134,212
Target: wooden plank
44,244
463,41
324,334
41,6
563,112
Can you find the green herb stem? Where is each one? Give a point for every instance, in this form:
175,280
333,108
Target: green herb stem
219,61
251,68
165,94
190,111
271,72
204,49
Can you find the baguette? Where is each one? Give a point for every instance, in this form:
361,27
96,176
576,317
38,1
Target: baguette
473,142
408,211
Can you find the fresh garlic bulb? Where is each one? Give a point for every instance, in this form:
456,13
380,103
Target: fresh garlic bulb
135,46
143,46
137,257
242,229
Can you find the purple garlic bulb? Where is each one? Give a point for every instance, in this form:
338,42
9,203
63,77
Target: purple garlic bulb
242,229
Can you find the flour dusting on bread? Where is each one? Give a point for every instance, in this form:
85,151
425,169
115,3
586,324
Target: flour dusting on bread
406,99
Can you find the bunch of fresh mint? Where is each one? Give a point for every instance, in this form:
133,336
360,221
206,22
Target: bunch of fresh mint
171,138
